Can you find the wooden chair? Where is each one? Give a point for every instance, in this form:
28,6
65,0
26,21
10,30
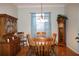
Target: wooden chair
41,48
22,37
28,39
47,48
53,37
41,34
31,45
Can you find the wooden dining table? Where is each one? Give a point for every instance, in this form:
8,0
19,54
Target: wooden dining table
40,46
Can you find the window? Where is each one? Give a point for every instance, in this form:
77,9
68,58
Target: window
40,25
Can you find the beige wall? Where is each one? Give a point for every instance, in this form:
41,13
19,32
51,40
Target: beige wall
10,9
72,29
24,15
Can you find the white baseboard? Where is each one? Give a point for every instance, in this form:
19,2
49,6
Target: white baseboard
77,52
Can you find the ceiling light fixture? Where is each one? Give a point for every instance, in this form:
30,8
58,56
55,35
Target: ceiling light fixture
41,11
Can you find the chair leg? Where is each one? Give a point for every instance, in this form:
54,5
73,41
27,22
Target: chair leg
29,54
31,51
53,49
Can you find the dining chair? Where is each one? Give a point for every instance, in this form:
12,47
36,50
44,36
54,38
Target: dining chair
31,46
42,48
47,48
53,37
22,38
41,34
28,39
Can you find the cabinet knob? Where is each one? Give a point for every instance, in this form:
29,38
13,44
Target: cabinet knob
8,40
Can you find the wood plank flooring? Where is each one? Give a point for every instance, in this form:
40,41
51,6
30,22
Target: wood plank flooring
23,52
60,51
64,51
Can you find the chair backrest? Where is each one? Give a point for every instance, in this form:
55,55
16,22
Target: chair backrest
41,34
42,47
29,39
20,35
28,36
54,38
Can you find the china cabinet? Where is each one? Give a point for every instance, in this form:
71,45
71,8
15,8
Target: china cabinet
8,24
10,46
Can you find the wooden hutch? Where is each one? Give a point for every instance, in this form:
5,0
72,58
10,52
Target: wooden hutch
61,30
8,24
9,43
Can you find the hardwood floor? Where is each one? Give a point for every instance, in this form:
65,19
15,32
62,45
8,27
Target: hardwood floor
64,51
60,51
23,52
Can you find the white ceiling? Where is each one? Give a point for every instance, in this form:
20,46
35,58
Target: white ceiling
38,4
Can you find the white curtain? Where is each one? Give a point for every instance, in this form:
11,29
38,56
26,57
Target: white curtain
38,25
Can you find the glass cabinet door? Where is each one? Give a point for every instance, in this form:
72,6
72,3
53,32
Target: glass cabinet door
8,27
